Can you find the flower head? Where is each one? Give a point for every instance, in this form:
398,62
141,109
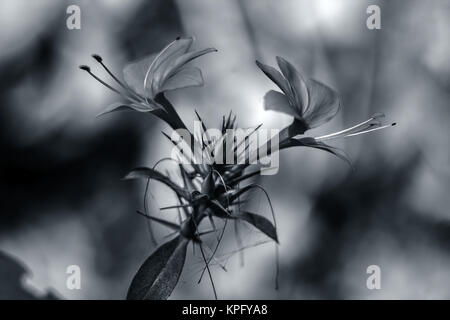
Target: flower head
148,78
310,102
166,70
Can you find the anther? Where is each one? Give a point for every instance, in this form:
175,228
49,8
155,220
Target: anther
85,68
97,57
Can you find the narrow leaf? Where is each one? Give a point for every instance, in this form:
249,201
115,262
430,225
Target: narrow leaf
147,173
218,210
259,222
159,274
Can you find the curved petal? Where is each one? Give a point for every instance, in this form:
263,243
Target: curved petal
173,51
274,75
313,143
276,101
115,107
184,78
324,104
134,74
172,66
297,83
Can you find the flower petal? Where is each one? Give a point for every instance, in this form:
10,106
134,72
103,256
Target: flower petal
125,107
276,101
174,50
274,75
172,66
313,143
185,77
134,74
297,83
324,103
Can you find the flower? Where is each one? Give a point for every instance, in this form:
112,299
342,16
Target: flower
147,79
310,102
167,71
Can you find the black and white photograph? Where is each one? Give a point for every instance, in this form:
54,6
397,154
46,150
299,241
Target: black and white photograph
248,150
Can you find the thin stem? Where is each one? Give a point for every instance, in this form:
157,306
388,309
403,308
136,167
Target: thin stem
206,262
215,250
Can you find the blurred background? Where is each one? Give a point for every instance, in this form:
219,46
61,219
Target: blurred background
63,202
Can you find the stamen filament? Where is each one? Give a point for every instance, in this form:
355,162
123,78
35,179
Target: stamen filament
100,60
367,131
359,129
88,70
358,133
376,116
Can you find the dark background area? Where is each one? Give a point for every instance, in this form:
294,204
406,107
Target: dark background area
63,202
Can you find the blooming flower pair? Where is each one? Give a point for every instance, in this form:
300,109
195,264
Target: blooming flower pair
213,191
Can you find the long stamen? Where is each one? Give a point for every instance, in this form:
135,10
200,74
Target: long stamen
100,60
348,132
374,117
88,70
367,131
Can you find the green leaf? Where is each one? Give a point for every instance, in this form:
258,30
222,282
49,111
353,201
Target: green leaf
218,210
159,274
147,173
259,222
